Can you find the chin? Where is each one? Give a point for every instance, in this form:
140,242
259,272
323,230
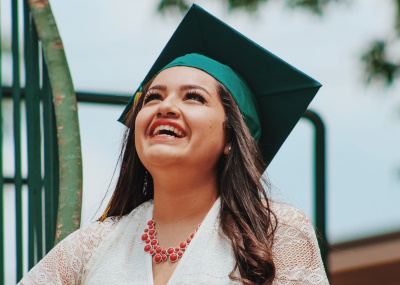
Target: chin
161,159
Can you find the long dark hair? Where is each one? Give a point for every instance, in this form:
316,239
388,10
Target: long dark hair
246,217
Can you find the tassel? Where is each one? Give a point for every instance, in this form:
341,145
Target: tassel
105,214
137,97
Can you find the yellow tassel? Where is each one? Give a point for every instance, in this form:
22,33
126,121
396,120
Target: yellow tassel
104,216
136,98
105,213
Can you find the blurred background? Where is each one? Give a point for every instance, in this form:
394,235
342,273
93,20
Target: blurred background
351,46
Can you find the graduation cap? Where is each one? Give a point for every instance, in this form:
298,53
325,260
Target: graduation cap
271,94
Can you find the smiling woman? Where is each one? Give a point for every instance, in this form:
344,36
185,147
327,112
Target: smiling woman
189,206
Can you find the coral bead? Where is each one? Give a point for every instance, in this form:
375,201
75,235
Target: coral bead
164,257
144,237
152,232
170,250
164,251
182,245
158,249
192,235
146,230
188,240
151,251
180,253
152,237
147,241
153,242
173,257
147,248
150,223
157,258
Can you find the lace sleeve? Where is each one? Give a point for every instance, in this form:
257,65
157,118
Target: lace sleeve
65,263
296,252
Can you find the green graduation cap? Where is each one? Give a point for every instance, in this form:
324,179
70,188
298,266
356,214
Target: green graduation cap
271,94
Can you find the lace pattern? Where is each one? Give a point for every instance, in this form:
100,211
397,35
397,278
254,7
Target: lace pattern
65,263
110,253
296,252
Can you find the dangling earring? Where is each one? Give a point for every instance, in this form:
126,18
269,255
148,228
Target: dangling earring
146,182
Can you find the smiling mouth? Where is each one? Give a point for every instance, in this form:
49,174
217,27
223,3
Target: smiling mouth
167,131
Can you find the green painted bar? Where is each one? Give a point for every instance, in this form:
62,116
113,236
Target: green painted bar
319,183
37,154
35,227
16,91
2,269
50,161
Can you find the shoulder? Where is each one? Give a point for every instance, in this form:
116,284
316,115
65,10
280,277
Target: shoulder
289,217
295,248
65,263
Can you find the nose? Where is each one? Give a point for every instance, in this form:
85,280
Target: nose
168,108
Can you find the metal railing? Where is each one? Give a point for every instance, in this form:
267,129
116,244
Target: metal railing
36,94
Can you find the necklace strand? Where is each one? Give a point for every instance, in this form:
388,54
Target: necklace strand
160,254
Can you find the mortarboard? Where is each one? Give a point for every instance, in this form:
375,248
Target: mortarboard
280,92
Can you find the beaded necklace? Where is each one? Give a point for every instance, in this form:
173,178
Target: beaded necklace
160,254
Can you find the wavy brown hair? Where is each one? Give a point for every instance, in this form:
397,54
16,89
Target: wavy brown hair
246,217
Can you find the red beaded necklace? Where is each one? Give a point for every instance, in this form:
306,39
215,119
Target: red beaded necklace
159,254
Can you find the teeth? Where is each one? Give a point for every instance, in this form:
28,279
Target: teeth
167,128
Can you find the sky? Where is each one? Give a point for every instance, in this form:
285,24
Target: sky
110,46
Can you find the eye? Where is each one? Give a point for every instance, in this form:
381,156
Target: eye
151,97
194,95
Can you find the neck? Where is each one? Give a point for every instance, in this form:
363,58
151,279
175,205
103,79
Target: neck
184,199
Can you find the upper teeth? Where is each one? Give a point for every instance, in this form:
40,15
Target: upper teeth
167,128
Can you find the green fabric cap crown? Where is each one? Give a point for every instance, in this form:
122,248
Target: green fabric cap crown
232,81
271,94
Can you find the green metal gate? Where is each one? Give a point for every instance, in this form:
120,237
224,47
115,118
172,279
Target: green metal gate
40,126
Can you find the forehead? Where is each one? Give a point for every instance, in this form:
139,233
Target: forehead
184,75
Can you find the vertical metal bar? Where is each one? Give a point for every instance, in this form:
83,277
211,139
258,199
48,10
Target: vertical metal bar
35,227
2,269
51,172
16,90
320,183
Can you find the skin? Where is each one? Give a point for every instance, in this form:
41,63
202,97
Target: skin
183,169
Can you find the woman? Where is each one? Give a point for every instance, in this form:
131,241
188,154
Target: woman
189,207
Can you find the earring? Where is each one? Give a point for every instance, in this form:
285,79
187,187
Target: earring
229,148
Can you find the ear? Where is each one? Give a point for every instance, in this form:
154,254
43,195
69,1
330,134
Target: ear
227,148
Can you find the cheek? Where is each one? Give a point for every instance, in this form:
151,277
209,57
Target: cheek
212,130
141,123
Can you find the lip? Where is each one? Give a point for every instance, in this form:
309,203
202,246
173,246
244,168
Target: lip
166,122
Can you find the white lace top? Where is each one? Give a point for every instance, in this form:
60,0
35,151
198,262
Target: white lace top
111,252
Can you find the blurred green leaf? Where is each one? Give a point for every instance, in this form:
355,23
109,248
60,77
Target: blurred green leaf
248,5
181,5
377,65
315,6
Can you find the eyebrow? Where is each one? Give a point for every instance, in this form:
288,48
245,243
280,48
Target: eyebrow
159,87
182,87
193,86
